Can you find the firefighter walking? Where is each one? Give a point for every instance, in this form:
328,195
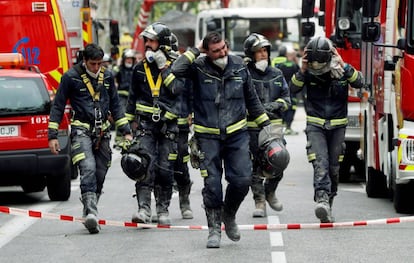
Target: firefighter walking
92,94
222,92
153,109
326,78
274,94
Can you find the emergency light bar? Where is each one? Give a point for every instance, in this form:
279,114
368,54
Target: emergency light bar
11,60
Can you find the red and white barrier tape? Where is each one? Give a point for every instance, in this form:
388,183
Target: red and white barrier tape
39,214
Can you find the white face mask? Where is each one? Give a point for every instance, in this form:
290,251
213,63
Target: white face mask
221,62
128,65
90,73
262,65
149,55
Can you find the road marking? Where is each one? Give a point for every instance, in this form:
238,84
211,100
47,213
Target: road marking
278,257
276,240
17,225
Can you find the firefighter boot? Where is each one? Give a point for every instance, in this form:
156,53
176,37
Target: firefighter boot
90,212
184,197
332,219
270,193
144,206
229,220
322,209
214,227
259,198
162,204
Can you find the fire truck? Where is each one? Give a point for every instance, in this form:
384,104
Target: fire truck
82,28
342,21
388,46
36,29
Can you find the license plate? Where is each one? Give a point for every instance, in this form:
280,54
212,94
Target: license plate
9,131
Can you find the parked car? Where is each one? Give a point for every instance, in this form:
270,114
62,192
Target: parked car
25,159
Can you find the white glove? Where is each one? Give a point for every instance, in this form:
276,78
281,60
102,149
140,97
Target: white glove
336,69
160,59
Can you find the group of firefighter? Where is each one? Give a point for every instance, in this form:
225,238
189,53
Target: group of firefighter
232,107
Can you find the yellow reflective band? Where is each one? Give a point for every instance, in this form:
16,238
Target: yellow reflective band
53,125
130,117
276,121
311,157
169,79
316,120
202,129
182,121
78,157
121,121
262,118
294,107
170,115
80,124
189,55
186,158
252,124
155,88
340,158
172,157
144,108
203,173
336,122
297,82
353,77
123,92
236,126
285,106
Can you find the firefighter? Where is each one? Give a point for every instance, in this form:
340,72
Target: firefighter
287,63
326,78
222,92
153,110
273,92
91,91
123,76
181,173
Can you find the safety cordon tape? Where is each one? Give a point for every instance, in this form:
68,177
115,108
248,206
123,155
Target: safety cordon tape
51,216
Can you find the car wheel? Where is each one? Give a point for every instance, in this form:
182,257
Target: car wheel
58,187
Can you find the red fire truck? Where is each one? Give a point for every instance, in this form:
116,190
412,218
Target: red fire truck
388,34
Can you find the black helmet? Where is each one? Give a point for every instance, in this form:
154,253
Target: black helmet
254,42
135,165
273,155
158,31
275,158
319,49
174,42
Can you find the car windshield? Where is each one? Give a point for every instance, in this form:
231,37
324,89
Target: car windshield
276,30
20,96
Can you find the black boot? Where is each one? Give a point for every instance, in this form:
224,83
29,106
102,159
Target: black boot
90,212
270,186
214,227
162,204
259,197
322,208
144,206
184,197
229,220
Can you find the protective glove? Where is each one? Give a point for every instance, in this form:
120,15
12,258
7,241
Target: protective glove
160,59
273,106
123,144
336,69
196,156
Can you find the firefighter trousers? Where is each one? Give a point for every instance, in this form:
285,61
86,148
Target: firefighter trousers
324,149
